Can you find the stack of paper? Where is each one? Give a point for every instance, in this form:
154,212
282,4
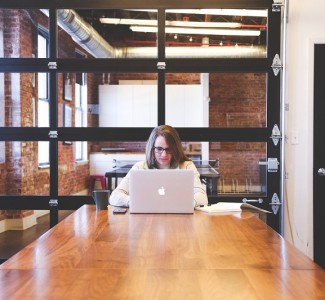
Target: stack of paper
223,207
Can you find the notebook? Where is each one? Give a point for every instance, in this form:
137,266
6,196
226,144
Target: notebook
161,191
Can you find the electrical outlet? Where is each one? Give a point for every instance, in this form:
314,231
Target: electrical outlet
294,138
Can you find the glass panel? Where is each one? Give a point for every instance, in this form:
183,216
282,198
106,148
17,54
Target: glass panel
246,177
20,172
202,33
42,47
77,172
20,101
108,100
43,153
186,104
43,112
2,116
108,33
2,100
19,32
102,157
127,33
2,152
42,86
216,100
217,163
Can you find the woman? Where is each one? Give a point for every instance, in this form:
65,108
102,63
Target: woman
163,151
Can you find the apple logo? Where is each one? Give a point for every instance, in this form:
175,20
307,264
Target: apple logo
161,191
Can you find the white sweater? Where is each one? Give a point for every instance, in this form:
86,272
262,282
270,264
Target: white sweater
120,196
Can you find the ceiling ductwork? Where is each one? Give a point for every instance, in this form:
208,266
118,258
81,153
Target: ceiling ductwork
84,34
89,39
198,52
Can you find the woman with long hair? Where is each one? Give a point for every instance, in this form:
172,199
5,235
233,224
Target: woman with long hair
163,151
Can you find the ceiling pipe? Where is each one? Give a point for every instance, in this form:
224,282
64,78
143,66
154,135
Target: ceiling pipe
198,52
90,40
84,34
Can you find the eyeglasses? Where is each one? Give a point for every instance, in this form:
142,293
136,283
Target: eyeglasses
160,150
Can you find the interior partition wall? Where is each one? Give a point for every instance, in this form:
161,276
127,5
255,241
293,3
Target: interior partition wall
105,94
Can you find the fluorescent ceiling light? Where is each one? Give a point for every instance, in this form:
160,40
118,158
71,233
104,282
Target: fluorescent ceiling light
117,21
143,22
204,31
218,12
222,12
203,24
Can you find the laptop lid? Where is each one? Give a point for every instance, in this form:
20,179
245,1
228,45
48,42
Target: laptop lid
161,191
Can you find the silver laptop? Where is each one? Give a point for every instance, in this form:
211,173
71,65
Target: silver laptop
161,191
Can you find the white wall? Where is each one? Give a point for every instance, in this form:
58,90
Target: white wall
132,105
306,26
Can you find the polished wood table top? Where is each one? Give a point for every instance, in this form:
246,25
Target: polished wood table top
98,255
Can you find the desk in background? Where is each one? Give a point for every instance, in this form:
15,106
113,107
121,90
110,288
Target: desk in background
114,174
209,176
97,255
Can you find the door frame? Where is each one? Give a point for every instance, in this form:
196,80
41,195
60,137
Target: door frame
318,162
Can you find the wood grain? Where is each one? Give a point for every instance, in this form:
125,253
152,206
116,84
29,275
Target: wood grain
97,255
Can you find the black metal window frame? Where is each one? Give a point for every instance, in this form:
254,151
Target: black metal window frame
262,65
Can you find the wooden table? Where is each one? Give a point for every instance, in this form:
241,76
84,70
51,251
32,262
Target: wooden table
97,255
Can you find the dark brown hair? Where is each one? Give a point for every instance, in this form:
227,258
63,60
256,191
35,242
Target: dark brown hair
174,144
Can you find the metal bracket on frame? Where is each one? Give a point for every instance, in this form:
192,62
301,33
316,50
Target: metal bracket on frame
275,203
259,200
161,65
276,6
277,64
54,202
276,134
52,65
53,134
272,164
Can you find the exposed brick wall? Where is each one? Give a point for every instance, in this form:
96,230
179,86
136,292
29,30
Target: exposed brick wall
93,80
16,214
20,172
3,176
171,78
183,78
130,146
115,77
3,172
238,163
2,215
73,177
11,33
22,175
237,100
